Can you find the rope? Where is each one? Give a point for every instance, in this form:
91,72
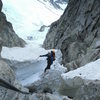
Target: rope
11,87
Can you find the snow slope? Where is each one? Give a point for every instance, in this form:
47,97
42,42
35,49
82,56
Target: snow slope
27,16
30,52
90,71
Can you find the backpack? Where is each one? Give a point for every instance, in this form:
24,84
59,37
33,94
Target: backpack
52,56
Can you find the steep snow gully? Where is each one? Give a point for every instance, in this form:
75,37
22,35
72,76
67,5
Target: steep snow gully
28,72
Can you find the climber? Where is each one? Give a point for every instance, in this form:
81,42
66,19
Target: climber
50,58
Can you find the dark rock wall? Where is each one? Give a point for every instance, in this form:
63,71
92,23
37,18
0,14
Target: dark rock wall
0,5
77,32
7,33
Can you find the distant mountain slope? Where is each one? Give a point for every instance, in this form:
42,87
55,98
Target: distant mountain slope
58,4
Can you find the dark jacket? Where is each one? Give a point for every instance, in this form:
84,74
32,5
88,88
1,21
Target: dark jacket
50,57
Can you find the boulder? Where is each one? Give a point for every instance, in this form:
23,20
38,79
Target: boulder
90,91
10,38
72,81
7,74
70,86
91,55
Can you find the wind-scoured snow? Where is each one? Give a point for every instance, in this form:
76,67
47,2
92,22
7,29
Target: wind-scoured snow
48,4
90,71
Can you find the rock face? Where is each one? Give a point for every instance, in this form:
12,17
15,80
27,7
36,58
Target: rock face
48,86
8,75
49,83
0,5
56,3
7,33
1,42
90,91
77,33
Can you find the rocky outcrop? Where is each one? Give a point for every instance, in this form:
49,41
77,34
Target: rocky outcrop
90,91
0,5
48,86
70,86
77,33
42,28
7,33
80,79
7,74
81,89
56,3
49,82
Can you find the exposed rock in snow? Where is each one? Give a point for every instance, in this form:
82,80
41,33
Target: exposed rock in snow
7,33
90,91
49,82
42,28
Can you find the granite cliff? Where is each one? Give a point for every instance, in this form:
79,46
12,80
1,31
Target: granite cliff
7,34
77,33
